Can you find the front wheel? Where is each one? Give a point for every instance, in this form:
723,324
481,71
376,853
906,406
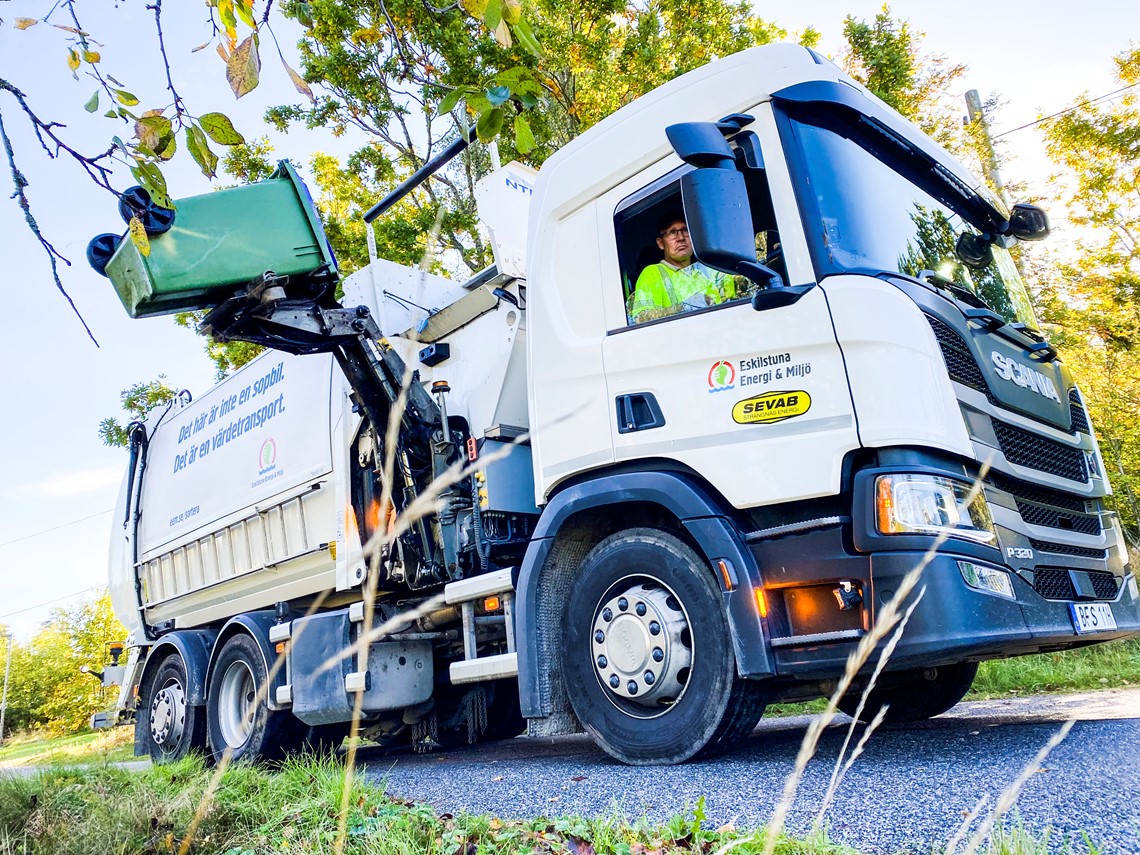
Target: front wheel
239,721
169,726
930,692
649,662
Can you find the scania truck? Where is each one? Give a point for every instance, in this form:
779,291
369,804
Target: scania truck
573,521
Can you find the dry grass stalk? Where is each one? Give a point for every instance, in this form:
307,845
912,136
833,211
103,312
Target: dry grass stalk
227,755
411,514
889,617
841,768
960,832
1010,794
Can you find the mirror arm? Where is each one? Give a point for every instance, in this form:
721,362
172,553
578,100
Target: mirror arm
773,293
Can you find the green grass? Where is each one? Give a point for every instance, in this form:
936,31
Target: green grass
1115,665
1102,666
97,747
61,811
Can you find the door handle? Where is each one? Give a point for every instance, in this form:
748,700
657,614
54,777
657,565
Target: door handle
638,411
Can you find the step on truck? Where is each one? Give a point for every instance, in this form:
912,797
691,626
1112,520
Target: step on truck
576,518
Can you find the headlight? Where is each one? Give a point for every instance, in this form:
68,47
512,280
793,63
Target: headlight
927,504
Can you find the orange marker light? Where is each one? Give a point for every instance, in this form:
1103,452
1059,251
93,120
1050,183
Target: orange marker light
761,602
491,604
885,508
725,575
280,647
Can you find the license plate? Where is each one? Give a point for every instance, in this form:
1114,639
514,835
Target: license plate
1092,617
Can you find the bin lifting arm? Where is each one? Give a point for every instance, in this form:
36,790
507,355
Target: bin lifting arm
307,325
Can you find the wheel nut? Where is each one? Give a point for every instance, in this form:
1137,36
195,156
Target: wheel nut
607,615
631,687
649,678
658,654
614,681
603,662
623,604
654,628
599,636
640,609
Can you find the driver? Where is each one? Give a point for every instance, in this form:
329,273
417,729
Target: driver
676,283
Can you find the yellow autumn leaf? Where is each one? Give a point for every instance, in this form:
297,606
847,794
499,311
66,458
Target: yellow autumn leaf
91,56
244,67
503,34
138,236
72,60
299,83
24,23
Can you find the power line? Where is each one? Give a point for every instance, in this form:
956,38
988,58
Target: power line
1066,110
53,602
56,528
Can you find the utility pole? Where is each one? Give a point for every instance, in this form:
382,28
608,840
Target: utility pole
4,699
976,116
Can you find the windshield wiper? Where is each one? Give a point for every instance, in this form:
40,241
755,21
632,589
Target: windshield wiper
962,293
983,314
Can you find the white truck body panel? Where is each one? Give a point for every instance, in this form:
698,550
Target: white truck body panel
241,504
903,395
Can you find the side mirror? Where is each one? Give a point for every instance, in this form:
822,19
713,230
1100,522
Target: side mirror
720,223
973,250
700,144
1028,222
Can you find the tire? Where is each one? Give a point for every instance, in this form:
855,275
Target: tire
928,693
649,663
169,727
238,719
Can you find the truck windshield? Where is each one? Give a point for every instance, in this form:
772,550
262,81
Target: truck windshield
875,217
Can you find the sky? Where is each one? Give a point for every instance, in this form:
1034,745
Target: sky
60,482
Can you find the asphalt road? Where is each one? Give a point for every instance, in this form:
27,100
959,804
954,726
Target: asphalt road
908,792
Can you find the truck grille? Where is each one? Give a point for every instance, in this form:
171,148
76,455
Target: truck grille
960,362
1077,413
1052,509
1066,549
1036,452
1054,583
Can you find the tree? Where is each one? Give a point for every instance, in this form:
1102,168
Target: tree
886,56
1094,298
138,401
47,690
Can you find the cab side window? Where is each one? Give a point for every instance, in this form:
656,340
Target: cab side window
661,275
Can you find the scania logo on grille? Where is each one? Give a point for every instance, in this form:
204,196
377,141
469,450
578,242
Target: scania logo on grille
1024,376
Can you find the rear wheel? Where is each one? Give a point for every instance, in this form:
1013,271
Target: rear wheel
239,720
649,662
930,692
169,725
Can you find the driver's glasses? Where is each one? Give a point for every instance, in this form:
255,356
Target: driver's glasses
677,232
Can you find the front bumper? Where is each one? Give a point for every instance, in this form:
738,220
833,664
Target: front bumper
951,623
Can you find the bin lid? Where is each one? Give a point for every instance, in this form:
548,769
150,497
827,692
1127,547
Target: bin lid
285,169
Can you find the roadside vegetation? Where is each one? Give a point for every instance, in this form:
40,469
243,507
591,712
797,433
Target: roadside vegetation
31,749
1103,666
294,809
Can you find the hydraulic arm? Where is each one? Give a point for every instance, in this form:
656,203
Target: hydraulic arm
382,387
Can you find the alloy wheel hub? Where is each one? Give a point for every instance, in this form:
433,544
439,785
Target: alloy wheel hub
168,715
642,646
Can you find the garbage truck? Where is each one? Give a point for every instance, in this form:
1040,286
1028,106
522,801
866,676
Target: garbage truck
461,510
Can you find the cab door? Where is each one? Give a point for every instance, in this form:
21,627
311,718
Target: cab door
756,403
